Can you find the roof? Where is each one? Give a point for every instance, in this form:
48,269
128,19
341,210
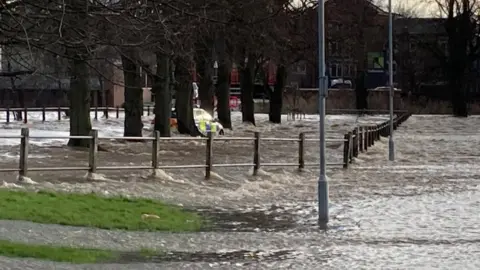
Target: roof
419,25
369,3
42,82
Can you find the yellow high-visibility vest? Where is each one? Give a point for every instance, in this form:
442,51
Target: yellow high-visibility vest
206,127
202,125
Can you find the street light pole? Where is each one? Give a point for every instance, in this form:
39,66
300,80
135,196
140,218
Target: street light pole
391,145
322,94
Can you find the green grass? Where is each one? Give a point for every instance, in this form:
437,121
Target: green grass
90,210
58,254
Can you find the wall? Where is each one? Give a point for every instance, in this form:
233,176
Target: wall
344,99
339,99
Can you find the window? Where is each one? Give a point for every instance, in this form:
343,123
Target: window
443,45
333,48
333,70
413,46
336,70
300,68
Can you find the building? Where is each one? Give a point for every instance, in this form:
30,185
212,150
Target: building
421,43
357,40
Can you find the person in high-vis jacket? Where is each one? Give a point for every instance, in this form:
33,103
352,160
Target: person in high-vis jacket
207,126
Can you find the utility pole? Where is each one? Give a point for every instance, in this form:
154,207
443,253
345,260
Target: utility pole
323,216
391,144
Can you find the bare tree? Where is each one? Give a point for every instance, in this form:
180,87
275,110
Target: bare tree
462,27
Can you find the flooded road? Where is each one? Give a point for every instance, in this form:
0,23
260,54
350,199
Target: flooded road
419,212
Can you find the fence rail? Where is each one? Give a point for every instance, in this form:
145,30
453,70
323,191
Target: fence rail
363,137
356,141
93,167
149,110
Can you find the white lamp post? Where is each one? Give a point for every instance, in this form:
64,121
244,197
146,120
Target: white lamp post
391,145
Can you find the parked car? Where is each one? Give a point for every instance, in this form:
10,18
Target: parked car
203,120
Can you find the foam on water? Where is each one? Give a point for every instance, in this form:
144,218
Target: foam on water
419,212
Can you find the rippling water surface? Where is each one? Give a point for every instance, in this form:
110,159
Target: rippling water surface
420,212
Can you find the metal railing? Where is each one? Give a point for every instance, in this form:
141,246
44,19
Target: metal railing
362,137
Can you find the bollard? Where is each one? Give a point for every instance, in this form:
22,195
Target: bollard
118,111
95,117
360,139
365,138
25,115
156,140
24,145
350,147
43,114
346,148
106,113
59,113
8,114
301,151
372,136
92,153
355,141
208,158
256,153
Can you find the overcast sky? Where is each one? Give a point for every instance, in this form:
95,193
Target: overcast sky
420,7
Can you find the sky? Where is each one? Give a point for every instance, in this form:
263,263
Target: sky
420,8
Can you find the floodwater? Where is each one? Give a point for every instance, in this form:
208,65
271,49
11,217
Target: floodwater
419,212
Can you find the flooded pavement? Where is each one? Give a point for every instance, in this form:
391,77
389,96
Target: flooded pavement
419,212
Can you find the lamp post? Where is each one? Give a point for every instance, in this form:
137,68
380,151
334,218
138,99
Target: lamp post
391,145
322,94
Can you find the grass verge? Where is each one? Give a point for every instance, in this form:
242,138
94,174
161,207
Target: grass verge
57,254
90,210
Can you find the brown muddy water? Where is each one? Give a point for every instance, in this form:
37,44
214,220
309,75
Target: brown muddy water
419,212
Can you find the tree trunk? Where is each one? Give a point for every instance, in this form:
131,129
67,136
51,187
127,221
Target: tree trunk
459,97
133,93
361,92
247,88
223,94
79,95
103,94
204,56
205,91
276,96
163,96
183,100
17,115
223,82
